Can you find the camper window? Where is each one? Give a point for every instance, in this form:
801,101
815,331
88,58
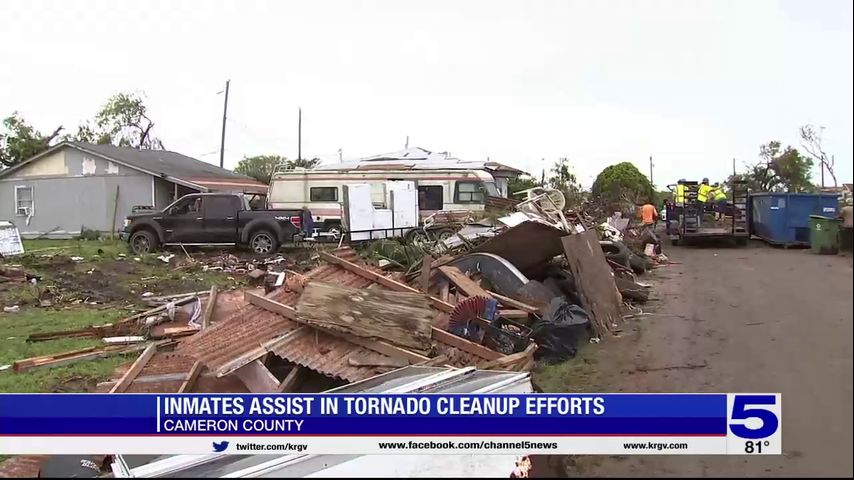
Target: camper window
323,194
469,192
430,197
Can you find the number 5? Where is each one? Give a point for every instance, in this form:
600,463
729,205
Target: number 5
740,412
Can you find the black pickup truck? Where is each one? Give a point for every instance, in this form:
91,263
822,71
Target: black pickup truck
215,219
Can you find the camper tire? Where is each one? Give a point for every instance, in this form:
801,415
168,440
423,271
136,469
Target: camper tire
263,242
143,241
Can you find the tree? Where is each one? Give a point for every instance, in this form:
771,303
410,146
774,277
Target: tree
623,183
778,170
262,167
563,179
122,121
811,141
20,141
522,182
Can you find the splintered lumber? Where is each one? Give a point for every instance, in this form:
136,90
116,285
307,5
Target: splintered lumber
402,319
507,360
441,359
291,313
257,378
463,283
191,378
425,272
134,369
593,280
513,314
209,308
291,381
512,302
383,280
56,359
123,340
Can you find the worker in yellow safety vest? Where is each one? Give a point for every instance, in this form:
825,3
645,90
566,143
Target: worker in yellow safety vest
678,192
720,202
704,191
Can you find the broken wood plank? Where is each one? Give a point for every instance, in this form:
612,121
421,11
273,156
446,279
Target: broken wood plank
400,318
195,370
257,378
209,308
291,313
382,280
134,369
291,380
44,360
441,359
527,366
463,283
425,272
513,314
123,340
271,305
444,290
512,302
593,280
449,338
510,359
364,361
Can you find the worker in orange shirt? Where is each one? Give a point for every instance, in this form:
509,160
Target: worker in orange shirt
649,215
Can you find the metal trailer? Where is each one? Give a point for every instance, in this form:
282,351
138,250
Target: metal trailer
691,224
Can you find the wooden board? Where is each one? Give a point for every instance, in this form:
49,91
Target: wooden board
191,378
382,280
425,272
209,308
593,280
512,302
291,380
402,319
134,369
463,283
257,378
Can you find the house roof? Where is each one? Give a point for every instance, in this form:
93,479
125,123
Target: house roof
417,158
163,163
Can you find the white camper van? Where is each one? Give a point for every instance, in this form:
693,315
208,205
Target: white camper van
322,191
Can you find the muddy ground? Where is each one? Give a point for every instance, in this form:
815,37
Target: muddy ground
761,319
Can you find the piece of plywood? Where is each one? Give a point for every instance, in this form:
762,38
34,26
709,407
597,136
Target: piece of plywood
383,280
402,319
463,283
593,280
291,313
134,369
257,378
425,272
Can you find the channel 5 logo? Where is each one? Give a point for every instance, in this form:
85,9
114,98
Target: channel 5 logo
754,416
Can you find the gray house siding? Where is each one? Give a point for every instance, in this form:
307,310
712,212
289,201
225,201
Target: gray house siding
84,195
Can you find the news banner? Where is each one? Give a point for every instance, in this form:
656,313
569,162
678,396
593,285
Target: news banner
713,424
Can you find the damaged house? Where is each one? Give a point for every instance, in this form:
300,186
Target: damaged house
73,185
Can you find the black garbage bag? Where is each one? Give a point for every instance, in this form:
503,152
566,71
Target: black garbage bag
558,332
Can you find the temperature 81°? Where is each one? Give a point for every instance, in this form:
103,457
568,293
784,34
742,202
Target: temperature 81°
755,446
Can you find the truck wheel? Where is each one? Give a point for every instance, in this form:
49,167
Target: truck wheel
143,241
263,242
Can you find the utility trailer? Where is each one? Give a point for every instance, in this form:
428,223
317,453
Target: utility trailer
695,221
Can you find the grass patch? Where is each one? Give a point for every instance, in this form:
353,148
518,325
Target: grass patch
14,330
571,376
80,248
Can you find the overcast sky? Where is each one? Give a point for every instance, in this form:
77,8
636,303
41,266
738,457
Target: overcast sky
692,83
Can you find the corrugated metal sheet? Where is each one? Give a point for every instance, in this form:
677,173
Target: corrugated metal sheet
326,354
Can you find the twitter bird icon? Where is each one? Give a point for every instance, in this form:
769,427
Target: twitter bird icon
220,446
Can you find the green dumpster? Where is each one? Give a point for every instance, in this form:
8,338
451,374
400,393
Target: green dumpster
824,235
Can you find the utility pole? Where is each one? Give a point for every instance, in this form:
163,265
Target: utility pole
299,135
650,170
407,142
222,138
821,165
340,156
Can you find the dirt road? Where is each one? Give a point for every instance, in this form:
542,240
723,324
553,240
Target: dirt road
763,320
